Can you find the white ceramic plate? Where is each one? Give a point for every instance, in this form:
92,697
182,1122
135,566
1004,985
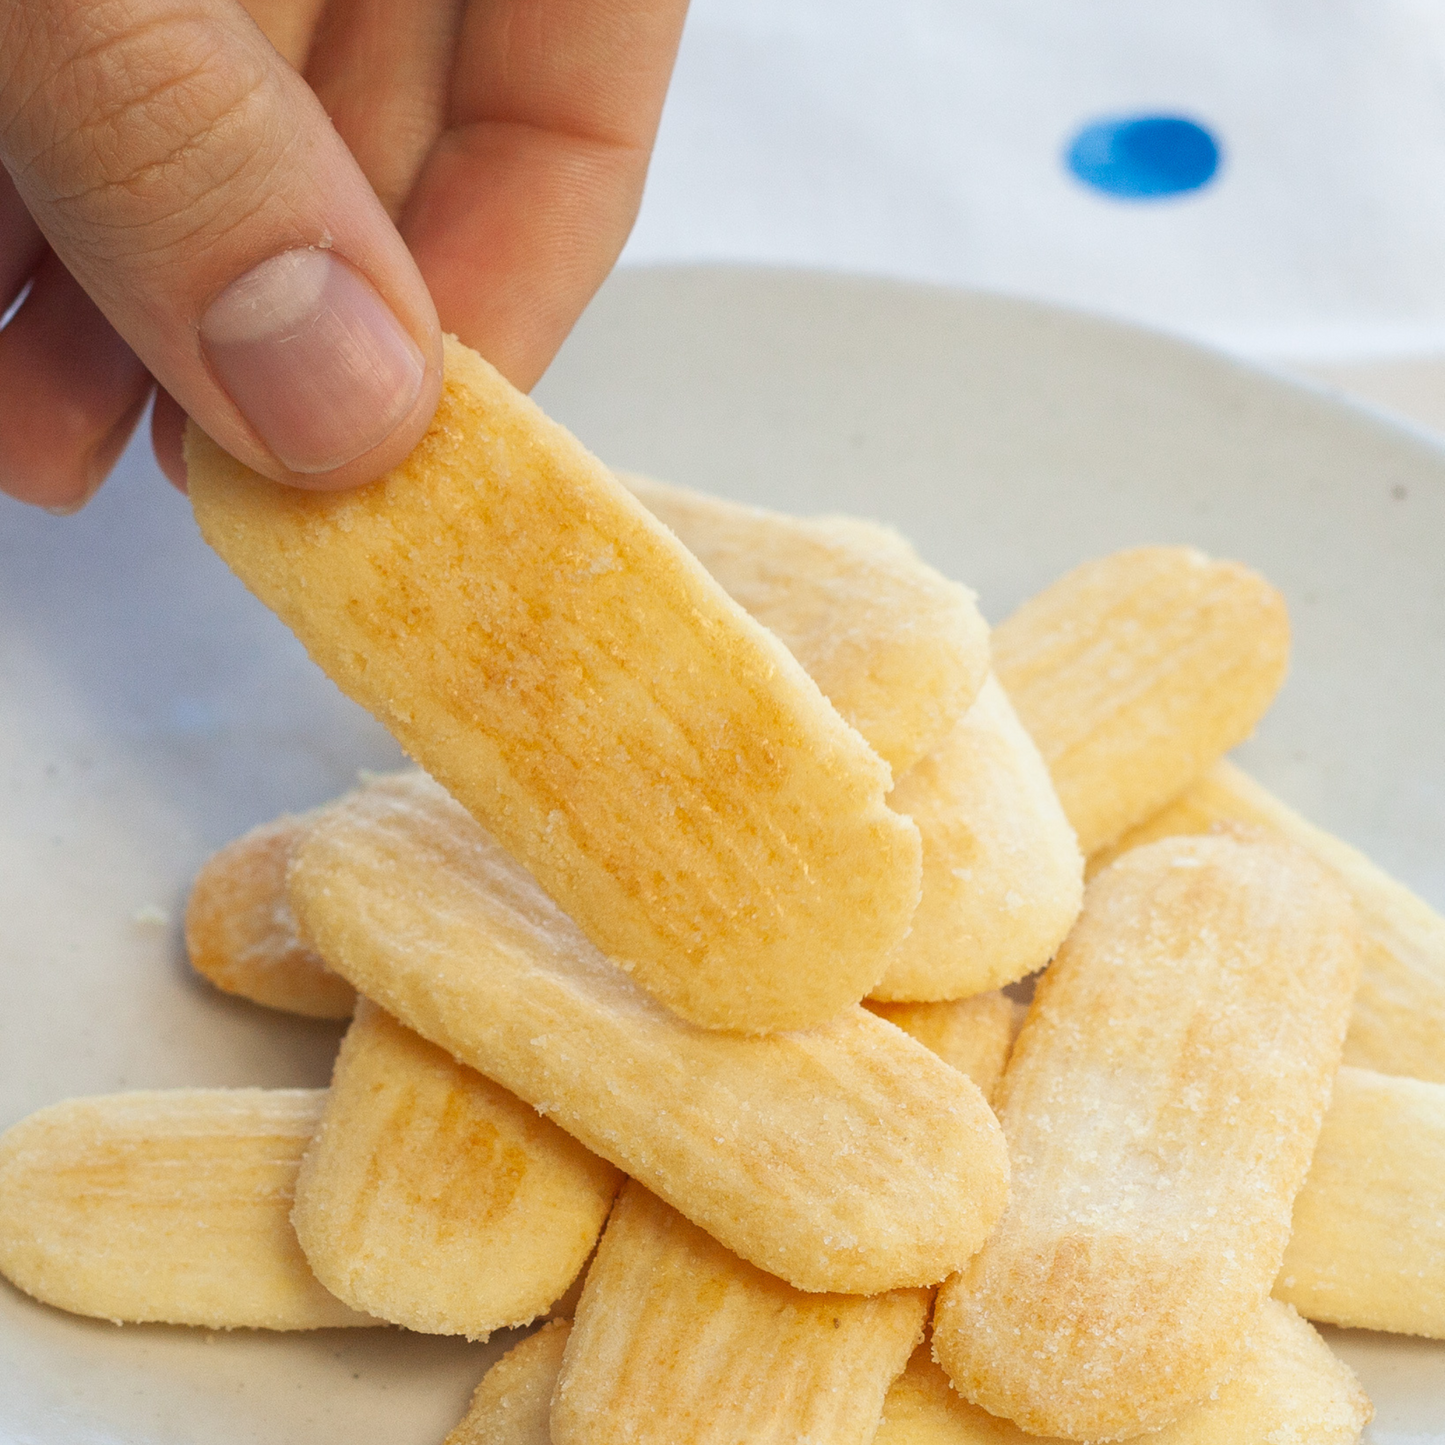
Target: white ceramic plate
150,710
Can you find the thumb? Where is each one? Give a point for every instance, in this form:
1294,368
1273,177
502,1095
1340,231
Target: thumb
193,185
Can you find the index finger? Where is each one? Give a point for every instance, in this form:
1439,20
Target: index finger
528,197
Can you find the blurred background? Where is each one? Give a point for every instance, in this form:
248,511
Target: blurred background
1264,175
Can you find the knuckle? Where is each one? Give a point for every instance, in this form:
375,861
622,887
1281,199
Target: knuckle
136,135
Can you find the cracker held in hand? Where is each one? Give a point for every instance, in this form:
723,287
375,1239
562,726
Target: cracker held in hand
570,673
1288,1390
1367,1249
896,647
432,1198
677,1341
844,1158
241,934
1135,672
1161,1106
1398,1023
170,1207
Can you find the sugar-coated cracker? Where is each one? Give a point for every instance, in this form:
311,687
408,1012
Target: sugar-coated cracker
544,647
1135,672
171,1207
1367,1247
1289,1389
241,934
973,1035
896,647
1161,1105
1002,874
844,1157
513,1403
677,1341
1398,1022
433,1198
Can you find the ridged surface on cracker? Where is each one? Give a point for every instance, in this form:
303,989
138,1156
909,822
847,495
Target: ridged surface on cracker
677,1341
170,1207
1367,1249
548,651
433,1198
1002,872
1289,1390
1398,1023
513,1403
241,934
1135,672
841,1158
973,1035
896,647
1161,1105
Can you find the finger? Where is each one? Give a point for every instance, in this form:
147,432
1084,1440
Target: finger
382,71
190,180
527,199
71,392
21,244
168,433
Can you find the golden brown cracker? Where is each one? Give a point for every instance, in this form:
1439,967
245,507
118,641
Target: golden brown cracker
168,1206
1288,1390
973,1035
1135,672
513,1403
1002,872
677,1341
1367,1247
545,648
1398,1023
241,933
1161,1106
896,647
841,1158
433,1198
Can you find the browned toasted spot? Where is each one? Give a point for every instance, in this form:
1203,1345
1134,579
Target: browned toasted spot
433,1198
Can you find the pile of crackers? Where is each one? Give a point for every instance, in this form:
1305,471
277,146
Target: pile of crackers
684,979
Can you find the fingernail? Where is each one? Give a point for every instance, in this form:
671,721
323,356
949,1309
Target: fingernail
313,357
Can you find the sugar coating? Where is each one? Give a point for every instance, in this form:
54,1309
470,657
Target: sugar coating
1002,874
1367,1248
171,1207
842,1158
241,933
1398,1022
551,653
896,647
1288,1390
432,1198
973,1035
677,1341
1161,1105
1135,672
513,1403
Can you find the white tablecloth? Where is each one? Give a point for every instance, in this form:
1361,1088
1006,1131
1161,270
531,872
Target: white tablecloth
925,139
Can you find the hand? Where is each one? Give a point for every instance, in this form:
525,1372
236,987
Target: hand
186,215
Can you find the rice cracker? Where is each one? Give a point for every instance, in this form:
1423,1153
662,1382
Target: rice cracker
1161,1106
845,1157
547,650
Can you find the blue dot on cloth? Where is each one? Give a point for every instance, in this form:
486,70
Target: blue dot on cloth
1144,157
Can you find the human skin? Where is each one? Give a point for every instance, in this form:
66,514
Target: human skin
187,186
